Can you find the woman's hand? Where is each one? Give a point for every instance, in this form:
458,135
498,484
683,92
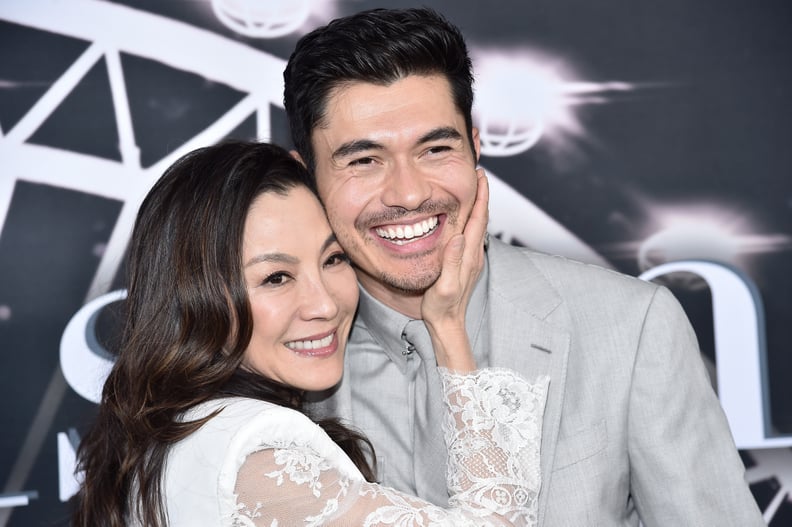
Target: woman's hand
445,303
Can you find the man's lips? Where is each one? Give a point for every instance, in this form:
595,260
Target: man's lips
408,232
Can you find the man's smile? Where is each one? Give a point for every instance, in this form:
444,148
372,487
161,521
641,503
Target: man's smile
406,233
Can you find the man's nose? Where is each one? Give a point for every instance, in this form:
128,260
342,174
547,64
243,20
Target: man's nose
406,186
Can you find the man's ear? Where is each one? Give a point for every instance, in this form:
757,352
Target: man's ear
296,155
476,143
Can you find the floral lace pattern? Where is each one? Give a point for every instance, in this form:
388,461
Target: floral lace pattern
492,430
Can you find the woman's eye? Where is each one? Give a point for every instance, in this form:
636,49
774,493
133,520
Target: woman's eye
337,259
278,278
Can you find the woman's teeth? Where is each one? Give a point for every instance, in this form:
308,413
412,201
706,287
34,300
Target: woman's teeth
310,344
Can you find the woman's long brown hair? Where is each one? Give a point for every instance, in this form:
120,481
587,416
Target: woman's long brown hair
187,324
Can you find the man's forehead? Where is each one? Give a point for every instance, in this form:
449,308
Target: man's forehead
412,99
354,90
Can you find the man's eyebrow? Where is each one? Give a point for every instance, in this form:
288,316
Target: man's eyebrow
353,147
444,132
272,257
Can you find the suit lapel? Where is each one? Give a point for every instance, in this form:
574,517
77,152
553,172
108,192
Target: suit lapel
521,338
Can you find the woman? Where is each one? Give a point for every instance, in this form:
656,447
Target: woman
240,299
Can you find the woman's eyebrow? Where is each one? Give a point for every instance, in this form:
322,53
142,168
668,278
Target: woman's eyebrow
272,257
287,258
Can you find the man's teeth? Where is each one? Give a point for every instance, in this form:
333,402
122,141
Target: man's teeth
310,344
408,232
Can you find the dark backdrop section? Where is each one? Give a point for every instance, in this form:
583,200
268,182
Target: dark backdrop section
169,106
684,157
87,110
30,61
49,249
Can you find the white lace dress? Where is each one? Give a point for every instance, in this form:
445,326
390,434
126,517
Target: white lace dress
256,464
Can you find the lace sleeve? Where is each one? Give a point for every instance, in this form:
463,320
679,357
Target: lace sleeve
493,432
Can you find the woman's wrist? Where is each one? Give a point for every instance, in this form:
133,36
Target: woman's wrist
452,346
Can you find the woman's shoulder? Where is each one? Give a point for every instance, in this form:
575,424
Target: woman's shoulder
207,461
243,425
230,409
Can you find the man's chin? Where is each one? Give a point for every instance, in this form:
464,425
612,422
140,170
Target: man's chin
412,284
409,277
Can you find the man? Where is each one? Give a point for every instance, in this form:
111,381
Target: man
380,110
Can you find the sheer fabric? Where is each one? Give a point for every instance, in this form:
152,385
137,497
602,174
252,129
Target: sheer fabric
492,429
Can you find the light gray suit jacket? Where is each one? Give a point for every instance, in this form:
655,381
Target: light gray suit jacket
632,428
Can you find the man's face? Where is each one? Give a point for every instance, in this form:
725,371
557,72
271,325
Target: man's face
396,173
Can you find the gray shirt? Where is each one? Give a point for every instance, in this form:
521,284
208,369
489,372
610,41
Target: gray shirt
381,370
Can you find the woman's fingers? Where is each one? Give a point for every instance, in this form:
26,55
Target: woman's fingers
476,227
476,231
449,290
462,261
445,303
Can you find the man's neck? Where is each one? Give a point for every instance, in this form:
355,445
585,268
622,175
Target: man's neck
406,303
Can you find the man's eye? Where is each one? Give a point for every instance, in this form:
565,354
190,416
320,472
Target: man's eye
363,161
337,259
438,149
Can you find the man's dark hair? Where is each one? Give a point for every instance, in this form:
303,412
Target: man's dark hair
379,46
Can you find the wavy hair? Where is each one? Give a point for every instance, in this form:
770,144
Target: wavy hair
187,324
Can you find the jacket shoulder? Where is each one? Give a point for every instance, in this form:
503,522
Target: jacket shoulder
566,274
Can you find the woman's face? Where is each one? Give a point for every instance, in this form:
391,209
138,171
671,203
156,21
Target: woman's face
302,289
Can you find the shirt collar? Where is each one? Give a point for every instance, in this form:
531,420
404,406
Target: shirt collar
386,325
